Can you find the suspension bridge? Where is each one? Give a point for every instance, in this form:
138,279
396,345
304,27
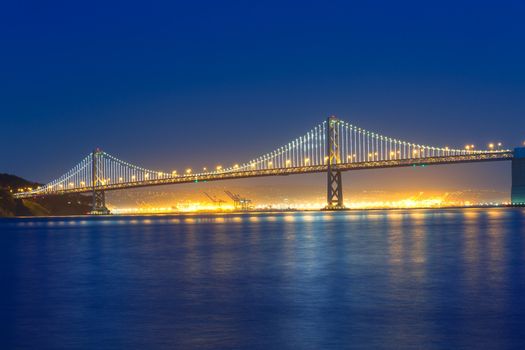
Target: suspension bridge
333,146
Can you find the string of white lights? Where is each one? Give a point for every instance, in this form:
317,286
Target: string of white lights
352,145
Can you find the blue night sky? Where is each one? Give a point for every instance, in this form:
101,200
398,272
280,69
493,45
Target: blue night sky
195,83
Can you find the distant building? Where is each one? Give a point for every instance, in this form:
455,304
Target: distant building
518,177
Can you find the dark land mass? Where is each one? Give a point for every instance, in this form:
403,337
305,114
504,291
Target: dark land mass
70,204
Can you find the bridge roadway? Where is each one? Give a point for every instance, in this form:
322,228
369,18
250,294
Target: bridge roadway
217,175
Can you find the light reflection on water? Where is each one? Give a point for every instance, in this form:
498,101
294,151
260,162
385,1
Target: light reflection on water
396,278
253,217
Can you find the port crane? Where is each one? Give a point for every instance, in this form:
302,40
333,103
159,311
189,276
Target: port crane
214,199
239,202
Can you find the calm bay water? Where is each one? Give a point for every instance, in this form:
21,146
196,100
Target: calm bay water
382,279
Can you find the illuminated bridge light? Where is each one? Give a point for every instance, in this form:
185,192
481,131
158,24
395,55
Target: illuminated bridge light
354,148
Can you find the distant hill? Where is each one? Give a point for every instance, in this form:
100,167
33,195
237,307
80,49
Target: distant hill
8,181
71,204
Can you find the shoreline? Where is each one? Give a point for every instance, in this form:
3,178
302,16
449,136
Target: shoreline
262,211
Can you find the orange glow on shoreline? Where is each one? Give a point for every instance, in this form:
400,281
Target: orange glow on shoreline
410,203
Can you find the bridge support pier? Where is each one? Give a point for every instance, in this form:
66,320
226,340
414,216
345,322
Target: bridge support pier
99,204
334,193
518,177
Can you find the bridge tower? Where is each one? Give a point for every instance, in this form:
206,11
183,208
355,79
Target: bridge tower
518,177
99,198
334,194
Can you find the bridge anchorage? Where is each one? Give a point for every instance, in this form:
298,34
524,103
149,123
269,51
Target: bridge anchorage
331,147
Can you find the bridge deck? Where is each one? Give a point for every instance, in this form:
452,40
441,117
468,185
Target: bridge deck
215,176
